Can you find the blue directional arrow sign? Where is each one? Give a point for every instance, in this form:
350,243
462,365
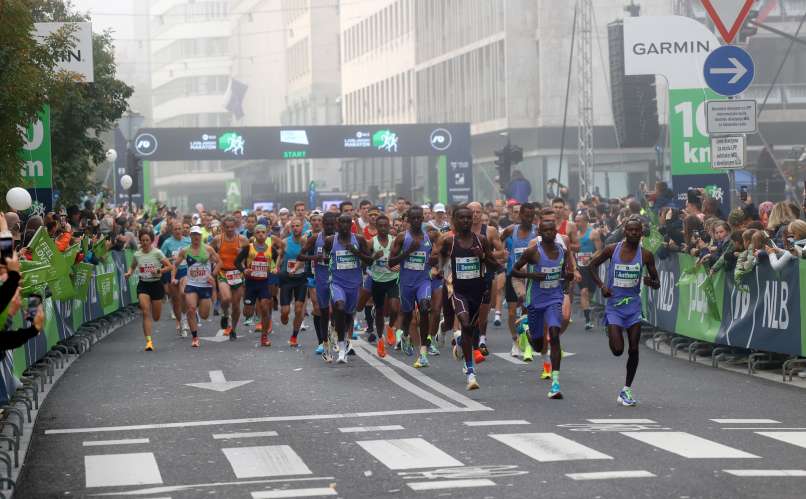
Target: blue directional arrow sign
729,70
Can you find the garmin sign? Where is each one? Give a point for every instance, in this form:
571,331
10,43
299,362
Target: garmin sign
78,58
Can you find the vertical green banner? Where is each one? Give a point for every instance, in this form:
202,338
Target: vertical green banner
688,136
442,179
105,284
233,194
699,312
37,169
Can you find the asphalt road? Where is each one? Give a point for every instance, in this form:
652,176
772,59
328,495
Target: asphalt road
123,422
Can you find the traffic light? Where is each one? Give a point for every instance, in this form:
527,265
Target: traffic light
506,157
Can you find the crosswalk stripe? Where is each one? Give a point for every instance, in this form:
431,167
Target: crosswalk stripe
408,453
498,422
125,441
766,473
115,470
791,437
621,421
365,429
265,460
746,421
450,484
610,475
548,447
280,494
688,445
249,434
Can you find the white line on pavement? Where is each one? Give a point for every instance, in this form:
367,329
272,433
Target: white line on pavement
621,421
364,429
765,428
267,419
514,360
450,484
125,441
250,434
265,461
408,453
746,421
114,470
399,380
548,447
498,422
791,437
180,488
609,475
285,493
765,473
688,445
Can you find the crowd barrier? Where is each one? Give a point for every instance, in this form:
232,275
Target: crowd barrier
103,293
765,312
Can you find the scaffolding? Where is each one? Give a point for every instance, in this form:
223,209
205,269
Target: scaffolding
584,59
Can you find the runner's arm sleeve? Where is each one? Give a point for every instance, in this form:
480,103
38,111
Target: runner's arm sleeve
241,258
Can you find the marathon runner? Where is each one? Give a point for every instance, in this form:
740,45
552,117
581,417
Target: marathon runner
383,280
256,263
548,265
311,235
197,258
516,239
588,239
179,239
230,280
471,256
293,280
314,251
151,264
623,293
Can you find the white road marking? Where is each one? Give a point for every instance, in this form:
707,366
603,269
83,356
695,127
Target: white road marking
399,380
468,402
266,460
267,419
364,429
548,447
218,338
279,494
450,484
180,488
125,441
765,473
746,421
218,383
514,360
791,437
250,434
610,475
688,445
766,428
621,421
408,453
114,470
498,422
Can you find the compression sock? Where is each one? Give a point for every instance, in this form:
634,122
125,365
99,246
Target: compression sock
555,376
194,333
318,328
587,313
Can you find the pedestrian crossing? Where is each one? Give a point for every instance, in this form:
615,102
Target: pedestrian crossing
439,465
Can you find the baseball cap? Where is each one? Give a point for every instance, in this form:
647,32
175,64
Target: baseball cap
425,207
439,208
316,212
283,211
512,202
196,230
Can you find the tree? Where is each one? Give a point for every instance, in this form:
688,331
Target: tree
81,112
26,78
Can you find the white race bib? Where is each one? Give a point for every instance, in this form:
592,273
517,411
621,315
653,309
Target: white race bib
468,267
233,277
346,260
415,261
626,275
552,279
260,269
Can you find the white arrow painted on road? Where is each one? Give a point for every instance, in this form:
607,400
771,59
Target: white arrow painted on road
218,383
738,70
218,338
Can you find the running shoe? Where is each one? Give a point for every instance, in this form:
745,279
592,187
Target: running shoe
472,384
422,361
381,348
546,374
478,357
350,349
342,357
455,347
227,331
292,342
185,325
195,343
173,315
264,340
233,335
224,322
149,346
625,397
390,336
184,333
303,326
497,320
528,353
178,329
555,392
483,349
372,338
515,351
320,349
407,347
250,321
588,326
432,349
327,354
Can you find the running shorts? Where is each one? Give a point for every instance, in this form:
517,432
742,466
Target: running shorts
154,289
202,293
256,290
411,294
292,287
549,316
349,296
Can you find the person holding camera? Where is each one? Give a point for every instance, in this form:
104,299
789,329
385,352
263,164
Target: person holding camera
10,301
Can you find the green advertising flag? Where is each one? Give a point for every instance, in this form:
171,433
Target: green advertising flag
85,244
37,170
62,288
70,254
708,290
105,284
45,252
233,194
35,277
653,241
99,248
81,280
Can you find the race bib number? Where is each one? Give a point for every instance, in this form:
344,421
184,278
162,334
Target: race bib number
382,263
295,267
260,270
584,258
233,277
346,260
198,273
415,261
626,275
518,252
552,279
149,270
468,268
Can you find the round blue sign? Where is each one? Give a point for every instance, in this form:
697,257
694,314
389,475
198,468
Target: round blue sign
729,70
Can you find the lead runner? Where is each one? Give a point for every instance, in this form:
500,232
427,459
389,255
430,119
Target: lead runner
623,293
